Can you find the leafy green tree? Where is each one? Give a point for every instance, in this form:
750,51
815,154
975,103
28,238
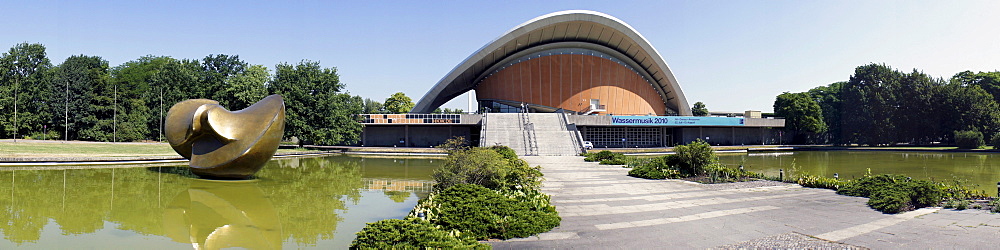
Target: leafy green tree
87,110
373,107
215,79
24,90
173,82
828,98
989,81
802,114
917,107
398,103
140,83
315,109
247,87
870,102
699,109
967,108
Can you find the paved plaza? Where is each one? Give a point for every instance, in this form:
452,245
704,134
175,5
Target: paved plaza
604,208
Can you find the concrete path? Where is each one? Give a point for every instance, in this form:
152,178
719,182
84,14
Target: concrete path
603,208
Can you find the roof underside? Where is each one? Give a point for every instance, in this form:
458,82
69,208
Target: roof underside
559,28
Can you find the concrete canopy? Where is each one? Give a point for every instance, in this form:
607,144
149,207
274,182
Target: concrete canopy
570,29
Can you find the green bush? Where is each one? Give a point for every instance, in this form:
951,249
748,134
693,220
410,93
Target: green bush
996,141
410,233
601,156
486,167
505,151
694,157
813,181
890,201
483,213
656,168
894,193
995,203
969,139
454,144
718,173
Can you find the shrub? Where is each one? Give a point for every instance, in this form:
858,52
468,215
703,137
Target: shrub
995,203
996,141
969,139
813,181
694,156
601,156
505,152
410,233
656,168
894,193
486,167
483,213
454,144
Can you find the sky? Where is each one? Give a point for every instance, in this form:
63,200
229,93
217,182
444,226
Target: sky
731,55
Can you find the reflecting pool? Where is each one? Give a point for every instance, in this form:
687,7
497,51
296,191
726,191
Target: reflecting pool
979,169
294,203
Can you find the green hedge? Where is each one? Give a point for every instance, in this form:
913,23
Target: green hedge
969,139
409,234
483,213
487,167
996,141
894,193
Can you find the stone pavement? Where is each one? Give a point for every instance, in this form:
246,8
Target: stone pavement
603,208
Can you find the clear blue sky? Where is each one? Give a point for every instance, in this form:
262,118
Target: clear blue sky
732,55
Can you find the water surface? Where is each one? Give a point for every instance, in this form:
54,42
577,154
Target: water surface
294,203
979,169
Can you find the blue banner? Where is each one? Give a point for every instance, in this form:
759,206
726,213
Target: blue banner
676,121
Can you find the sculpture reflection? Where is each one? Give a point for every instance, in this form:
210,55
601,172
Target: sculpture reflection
224,144
216,215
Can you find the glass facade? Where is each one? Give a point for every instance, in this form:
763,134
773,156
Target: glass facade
626,137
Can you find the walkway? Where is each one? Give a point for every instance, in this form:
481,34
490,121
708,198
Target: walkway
603,208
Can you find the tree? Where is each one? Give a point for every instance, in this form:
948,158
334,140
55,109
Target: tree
870,102
803,115
85,102
215,76
828,98
173,82
398,103
699,109
989,81
373,107
315,110
917,106
24,72
967,108
246,88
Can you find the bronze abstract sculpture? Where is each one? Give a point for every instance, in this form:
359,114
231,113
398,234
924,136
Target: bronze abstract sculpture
224,144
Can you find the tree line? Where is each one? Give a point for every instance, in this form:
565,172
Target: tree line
879,106
84,98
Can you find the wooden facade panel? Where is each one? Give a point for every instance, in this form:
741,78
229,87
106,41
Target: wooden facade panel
570,82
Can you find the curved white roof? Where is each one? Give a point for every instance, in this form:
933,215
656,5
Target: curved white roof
560,29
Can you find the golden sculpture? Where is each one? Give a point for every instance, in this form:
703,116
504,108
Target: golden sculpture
225,144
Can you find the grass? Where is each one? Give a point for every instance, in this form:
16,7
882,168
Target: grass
24,149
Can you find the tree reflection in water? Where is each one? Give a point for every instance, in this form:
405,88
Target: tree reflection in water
292,200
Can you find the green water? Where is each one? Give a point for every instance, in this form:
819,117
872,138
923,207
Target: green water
295,203
979,169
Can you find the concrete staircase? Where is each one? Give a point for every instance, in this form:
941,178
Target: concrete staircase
531,134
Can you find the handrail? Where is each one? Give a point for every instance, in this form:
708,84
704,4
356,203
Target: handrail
574,132
530,146
482,132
